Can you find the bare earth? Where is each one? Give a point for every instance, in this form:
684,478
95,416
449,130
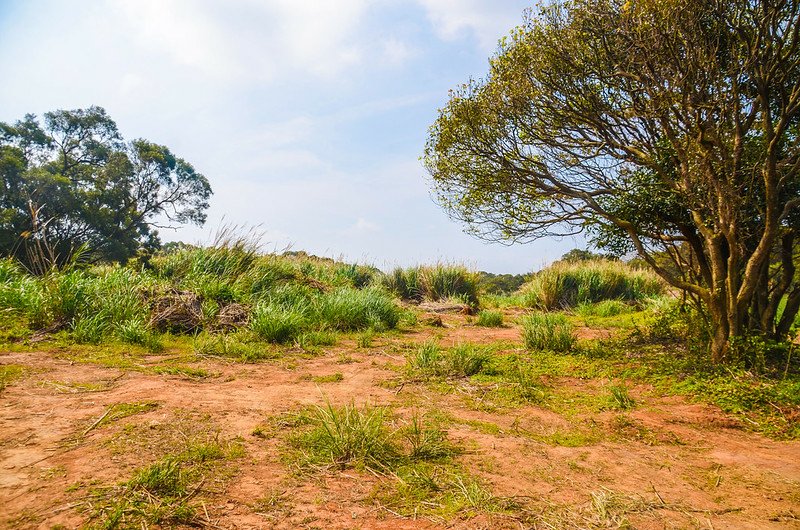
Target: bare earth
695,468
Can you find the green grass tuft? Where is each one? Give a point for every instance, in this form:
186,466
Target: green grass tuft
490,319
548,331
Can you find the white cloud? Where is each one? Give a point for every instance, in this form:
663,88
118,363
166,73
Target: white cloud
453,19
362,226
396,52
250,39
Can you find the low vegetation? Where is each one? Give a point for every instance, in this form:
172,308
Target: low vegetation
434,283
565,285
214,290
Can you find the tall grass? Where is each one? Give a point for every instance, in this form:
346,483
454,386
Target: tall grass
286,296
548,331
565,285
434,283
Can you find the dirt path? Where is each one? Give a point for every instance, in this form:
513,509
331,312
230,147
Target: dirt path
667,464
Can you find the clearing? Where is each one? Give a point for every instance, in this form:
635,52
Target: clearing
111,436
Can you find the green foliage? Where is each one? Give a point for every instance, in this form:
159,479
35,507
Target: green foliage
136,331
604,309
161,493
619,398
564,285
434,283
490,319
10,373
348,436
463,360
557,139
233,345
548,331
277,323
73,186
500,283
351,310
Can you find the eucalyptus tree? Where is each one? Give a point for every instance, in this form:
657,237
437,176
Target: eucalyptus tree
73,183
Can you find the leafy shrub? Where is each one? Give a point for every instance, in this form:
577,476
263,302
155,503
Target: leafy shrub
548,331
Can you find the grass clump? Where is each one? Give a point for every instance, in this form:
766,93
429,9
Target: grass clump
353,310
565,285
415,461
619,398
10,373
464,360
490,319
348,436
548,331
162,492
277,323
239,346
434,283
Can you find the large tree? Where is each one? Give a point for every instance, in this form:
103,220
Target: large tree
667,127
73,182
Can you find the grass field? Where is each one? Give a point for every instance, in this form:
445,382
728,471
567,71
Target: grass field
370,413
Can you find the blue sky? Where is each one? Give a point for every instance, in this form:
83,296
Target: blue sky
307,117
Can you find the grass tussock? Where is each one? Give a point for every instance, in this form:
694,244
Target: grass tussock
565,285
414,460
434,283
490,319
432,361
549,332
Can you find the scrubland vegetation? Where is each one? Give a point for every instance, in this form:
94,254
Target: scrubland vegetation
595,344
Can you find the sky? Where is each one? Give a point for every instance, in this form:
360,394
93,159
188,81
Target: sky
308,117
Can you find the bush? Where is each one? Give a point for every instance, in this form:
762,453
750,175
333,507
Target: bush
565,285
548,331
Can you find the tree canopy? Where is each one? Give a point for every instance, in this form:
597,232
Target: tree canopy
666,127
74,182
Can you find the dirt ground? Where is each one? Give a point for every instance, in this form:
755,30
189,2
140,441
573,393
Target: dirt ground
673,464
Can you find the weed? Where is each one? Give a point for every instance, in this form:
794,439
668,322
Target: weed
604,309
463,360
364,340
332,378
277,323
136,331
10,373
490,319
348,436
350,310
436,282
426,441
182,370
619,399
548,331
